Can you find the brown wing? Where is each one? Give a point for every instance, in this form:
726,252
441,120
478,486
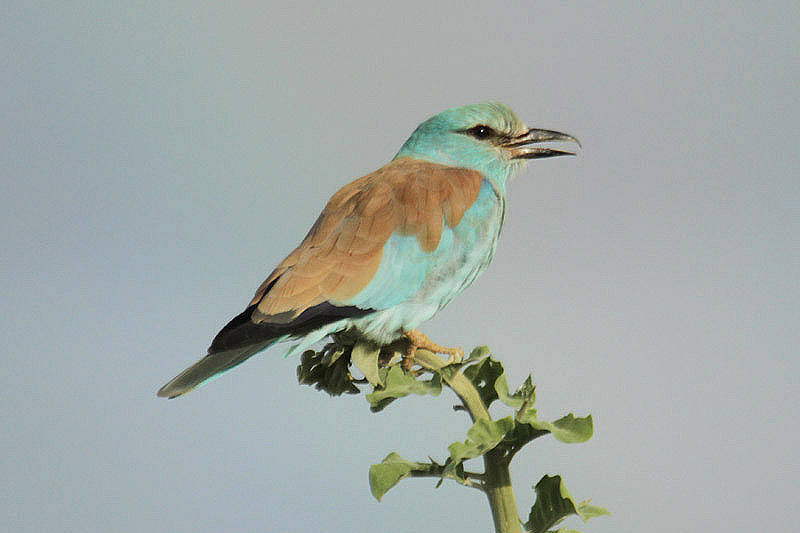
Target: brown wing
338,258
343,250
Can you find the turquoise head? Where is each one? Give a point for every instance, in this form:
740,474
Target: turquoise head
489,138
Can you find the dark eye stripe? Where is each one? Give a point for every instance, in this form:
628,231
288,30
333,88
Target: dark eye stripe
481,132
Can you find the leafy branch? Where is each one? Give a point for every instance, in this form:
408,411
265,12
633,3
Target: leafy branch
478,381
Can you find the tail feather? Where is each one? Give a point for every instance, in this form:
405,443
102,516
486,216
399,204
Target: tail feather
209,367
242,338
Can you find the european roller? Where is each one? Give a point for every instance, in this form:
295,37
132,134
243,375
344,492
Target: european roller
391,248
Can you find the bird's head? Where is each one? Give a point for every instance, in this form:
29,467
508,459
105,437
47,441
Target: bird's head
489,138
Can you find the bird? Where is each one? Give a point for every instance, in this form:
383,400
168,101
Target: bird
391,248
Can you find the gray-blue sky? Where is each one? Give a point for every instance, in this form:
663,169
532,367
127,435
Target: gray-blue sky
158,161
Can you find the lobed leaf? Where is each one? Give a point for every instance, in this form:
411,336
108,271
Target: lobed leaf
388,473
327,370
554,503
523,399
365,357
484,435
587,510
398,384
567,429
521,435
477,353
483,376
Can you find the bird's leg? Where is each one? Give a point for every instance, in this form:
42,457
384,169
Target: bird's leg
418,340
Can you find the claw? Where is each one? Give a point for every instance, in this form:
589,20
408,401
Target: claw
420,340
408,358
456,357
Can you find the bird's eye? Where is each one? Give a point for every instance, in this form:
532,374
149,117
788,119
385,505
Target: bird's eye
480,131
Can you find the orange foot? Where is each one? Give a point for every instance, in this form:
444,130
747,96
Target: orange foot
419,340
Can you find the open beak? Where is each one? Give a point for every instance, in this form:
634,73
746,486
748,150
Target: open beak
520,146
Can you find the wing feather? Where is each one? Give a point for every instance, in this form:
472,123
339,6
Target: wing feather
343,250
329,277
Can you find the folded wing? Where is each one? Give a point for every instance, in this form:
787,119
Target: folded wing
321,280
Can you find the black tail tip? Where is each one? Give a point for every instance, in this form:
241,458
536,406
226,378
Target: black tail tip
167,392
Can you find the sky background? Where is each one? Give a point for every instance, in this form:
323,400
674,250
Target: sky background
157,161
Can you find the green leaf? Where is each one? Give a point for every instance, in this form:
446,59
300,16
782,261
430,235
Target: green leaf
554,503
448,371
394,468
483,436
521,435
483,376
478,353
388,473
566,429
522,399
587,510
398,384
365,357
327,370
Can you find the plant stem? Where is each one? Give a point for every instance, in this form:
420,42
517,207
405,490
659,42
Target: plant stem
437,473
500,493
497,485
458,382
